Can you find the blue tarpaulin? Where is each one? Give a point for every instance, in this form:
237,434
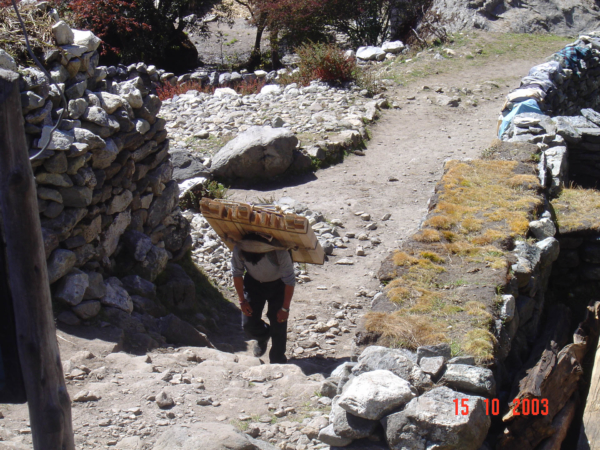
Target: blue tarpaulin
528,106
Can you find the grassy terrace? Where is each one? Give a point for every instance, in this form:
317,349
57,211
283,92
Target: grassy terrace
578,209
447,280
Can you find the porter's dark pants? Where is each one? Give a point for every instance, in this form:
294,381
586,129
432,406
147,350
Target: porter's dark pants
257,294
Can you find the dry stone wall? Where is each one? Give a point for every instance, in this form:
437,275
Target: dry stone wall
108,204
555,109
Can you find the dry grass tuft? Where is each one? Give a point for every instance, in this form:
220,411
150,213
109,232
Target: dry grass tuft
440,221
576,208
480,344
404,259
428,235
39,28
524,182
433,257
478,309
406,331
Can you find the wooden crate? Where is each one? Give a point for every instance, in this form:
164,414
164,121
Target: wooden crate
233,220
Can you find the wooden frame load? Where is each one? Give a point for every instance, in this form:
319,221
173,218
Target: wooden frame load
233,220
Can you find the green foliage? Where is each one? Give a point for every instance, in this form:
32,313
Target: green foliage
211,189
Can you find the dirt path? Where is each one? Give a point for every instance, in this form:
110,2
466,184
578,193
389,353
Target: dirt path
409,145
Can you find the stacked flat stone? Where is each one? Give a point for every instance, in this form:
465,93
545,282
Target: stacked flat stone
104,184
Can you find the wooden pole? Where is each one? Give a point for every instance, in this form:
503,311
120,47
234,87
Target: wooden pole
47,397
589,437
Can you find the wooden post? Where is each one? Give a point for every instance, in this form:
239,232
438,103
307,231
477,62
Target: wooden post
589,437
47,397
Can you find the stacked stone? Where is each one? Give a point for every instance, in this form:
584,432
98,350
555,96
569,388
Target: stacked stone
406,399
104,184
577,271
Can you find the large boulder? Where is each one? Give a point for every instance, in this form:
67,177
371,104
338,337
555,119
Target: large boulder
373,394
396,361
430,421
370,53
259,152
207,436
464,378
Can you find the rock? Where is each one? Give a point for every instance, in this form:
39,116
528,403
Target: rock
444,100
432,365
61,140
87,137
225,92
373,394
430,421
187,165
393,47
370,53
76,196
49,194
109,102
163,205
63,35
507,311
86,396
270,89
164,400
470,379
542,229
259,152
208,436
87,309
149,109
104,157
468,360
145,305
382,358
110,238
120,202
349,426
96,115
86,39
7,62
71,287
179,291
314,426
116,296
549,251
68,318
136,285
329,437
76,90
54,179
328,387
434,350
155,262
60,263
177,331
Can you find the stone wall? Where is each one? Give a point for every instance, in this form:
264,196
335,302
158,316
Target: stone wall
566,131
108,204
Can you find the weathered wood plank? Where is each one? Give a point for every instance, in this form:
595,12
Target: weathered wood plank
47,397
589,437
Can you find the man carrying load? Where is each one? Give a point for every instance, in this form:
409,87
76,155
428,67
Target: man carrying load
269,279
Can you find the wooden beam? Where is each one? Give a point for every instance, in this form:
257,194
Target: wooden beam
589,436
47,397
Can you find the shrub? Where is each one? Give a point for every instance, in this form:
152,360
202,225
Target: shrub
325,62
